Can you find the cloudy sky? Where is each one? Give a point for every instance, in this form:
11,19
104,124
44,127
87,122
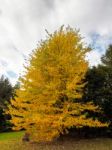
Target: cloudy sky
23,24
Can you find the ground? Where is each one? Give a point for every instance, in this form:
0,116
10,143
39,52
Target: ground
12,141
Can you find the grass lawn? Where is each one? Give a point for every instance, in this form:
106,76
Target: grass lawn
12,141
11,136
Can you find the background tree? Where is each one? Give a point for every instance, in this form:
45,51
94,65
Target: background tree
6,93
47,103
95,78
107,88
99,87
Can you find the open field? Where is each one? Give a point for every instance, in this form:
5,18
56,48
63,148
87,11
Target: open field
12,141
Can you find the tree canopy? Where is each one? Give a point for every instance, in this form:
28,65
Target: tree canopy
48,101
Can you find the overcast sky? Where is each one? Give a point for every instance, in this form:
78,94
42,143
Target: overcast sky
23,24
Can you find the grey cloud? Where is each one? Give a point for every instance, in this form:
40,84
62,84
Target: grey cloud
49,3
4,63
0,12
14,48
22,24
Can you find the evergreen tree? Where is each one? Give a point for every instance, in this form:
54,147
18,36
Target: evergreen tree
6,93
107,88
99,87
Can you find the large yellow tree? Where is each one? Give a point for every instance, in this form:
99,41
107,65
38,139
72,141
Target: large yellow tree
47,102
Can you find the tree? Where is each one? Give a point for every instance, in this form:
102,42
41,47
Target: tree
6,93
47,103
99,87
107,58
95,78
107,88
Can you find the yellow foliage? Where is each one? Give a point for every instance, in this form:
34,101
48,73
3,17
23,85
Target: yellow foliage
46,104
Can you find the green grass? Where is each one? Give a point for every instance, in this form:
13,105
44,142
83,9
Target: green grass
12,141
11,135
